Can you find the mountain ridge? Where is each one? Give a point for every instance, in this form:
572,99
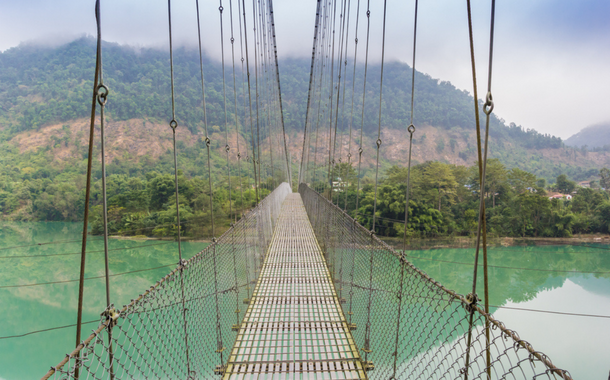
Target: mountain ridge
592,136
42,88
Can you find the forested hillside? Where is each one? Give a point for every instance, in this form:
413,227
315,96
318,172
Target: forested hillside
45,95
594,137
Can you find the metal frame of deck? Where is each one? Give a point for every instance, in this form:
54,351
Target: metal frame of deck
294,327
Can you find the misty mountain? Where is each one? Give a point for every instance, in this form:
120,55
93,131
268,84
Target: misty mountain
40,86
44,91
593,136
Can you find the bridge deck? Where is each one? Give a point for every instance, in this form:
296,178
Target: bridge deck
294,327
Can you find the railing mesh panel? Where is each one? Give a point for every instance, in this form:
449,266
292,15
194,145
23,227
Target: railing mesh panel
408,325
184,321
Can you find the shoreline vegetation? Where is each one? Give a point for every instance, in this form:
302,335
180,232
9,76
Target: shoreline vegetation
43,151
470,242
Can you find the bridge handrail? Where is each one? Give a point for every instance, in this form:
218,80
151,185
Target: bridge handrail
305,191
270,206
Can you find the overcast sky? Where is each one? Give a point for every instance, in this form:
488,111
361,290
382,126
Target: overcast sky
551,58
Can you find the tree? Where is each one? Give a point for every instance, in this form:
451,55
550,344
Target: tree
521,180
438,181
564,185
604,181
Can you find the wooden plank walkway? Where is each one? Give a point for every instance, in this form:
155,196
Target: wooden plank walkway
294,327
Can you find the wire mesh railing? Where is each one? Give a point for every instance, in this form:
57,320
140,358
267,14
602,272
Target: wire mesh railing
406,324
184,325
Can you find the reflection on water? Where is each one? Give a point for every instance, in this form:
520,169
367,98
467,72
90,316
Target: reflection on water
569,279
562,279
30,308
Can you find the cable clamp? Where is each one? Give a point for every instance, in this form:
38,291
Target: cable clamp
219,370
368,365
489,104
471,301
102,94
111,315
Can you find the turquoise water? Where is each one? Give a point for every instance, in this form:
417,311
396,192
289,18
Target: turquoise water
30,308
535,290
565,279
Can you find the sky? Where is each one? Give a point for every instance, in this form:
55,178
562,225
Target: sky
551,64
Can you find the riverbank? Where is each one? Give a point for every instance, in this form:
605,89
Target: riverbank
470,242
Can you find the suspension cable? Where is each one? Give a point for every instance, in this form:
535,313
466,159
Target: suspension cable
241,190
81,284
330,99
380,109
367,334
237,135
323,54
241,46
224,99
173,125
344,62
306,132
410,130
266,87
279,90
256,63
351,122
256,182
482,163
342,18
366,63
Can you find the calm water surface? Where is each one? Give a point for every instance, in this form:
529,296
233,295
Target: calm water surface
29,308
547,281
562,279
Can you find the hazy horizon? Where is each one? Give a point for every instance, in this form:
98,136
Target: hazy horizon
550,60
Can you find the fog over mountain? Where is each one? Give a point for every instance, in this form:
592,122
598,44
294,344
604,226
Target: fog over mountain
593,136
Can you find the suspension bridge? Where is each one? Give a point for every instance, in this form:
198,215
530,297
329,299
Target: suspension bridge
296,288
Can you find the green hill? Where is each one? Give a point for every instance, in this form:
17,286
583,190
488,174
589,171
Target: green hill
45,95
593,137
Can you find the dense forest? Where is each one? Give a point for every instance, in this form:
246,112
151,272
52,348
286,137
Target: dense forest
445,202
40,85
43,86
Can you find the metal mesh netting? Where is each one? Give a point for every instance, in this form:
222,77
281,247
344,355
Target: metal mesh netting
184,322
408,325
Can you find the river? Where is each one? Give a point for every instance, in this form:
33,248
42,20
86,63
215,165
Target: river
530,287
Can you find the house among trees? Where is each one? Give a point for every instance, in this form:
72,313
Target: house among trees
552,196
339,185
